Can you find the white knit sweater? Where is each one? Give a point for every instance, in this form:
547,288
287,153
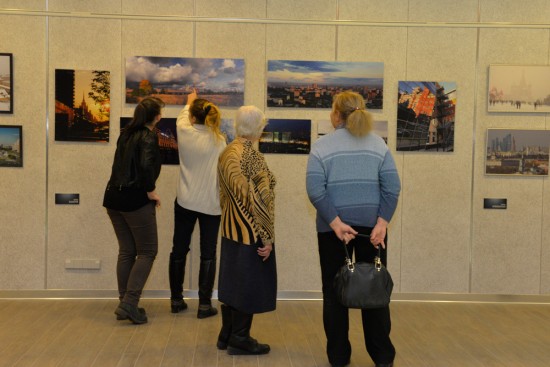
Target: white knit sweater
199,149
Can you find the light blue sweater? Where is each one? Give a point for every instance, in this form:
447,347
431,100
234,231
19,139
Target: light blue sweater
352,177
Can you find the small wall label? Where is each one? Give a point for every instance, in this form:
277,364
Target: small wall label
71,199
495,203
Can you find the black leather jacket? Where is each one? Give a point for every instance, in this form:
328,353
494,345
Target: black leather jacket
137,161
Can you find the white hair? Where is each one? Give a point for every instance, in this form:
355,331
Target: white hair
250,122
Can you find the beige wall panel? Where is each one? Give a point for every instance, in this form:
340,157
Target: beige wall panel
158,7
532,12
81,231
443,11
437,186
507,242
23,196
296,237
307,9
28,5
231,8
387,45
373,10
96,6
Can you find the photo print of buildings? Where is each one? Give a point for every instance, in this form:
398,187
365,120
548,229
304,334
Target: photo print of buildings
517,152
11,147
519,88
312,84
426,116
82,105
166,133
221,81
6,99
286,136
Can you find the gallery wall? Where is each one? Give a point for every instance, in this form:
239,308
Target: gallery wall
441,240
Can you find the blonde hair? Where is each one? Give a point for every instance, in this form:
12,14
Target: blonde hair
250,122
351,107
207,114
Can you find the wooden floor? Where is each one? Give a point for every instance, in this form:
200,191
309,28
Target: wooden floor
85,333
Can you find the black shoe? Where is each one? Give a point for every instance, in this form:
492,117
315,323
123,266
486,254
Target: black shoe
246,346
384,364
141,310
177,305
128,311
203,313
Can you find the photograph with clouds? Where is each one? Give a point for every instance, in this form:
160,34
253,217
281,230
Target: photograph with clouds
171,79
312,84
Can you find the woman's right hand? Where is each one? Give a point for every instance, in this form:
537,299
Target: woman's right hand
343,231
191,97
153,196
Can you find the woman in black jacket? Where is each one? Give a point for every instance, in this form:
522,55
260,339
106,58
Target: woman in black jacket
130,199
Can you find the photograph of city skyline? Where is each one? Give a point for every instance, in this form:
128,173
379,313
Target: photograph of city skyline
166,133
426,116
286,136
517,152
82,105
312,84
221,81
6,79
519,88
11,146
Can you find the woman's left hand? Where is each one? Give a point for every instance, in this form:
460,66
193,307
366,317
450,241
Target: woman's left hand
265,251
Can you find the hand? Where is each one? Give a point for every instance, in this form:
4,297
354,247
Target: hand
154,197
191,97
266,250
379,233
343,231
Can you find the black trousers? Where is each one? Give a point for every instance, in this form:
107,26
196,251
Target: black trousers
376,322
136,232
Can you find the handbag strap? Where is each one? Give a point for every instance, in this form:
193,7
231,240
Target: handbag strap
377,261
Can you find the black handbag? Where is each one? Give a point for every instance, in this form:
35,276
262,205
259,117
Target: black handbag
363,285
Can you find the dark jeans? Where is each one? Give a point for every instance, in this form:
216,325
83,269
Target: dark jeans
184,224
376,322
136,232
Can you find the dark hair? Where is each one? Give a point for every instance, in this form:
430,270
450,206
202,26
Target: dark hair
206,113
145,113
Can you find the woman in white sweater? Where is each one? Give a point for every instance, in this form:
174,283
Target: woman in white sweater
200,143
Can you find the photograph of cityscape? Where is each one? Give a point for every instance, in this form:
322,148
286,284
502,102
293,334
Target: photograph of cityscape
166,133
227,128
519,88
6,80
221,81
82,105
517,152
286,136
380,128
426,116
312,84
11,146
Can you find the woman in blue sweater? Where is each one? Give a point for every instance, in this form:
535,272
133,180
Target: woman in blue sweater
353,183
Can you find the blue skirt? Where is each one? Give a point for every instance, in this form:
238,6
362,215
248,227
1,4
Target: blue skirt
246,282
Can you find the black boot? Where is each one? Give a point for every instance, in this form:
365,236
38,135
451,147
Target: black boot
225,332
128,311
240,341
207,273
176,273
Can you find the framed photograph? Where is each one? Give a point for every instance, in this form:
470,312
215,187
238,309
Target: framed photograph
227,128
514,152
11,146
426,116
221,81
519,88
312,84
82,105
286,136
167,138
6,83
